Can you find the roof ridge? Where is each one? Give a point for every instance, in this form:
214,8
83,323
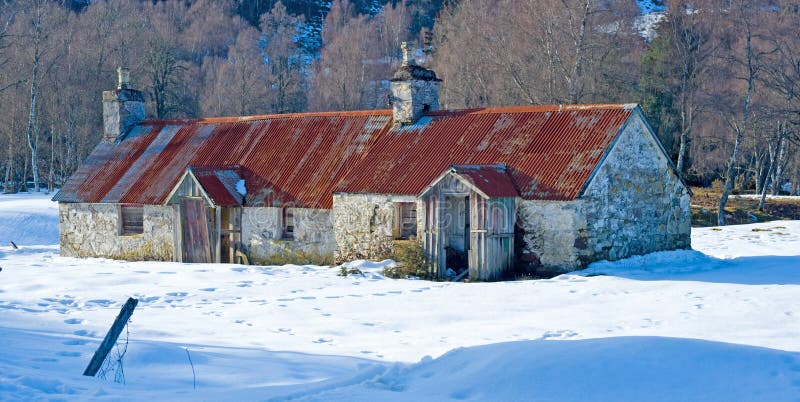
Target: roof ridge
537,108
388,112
237,119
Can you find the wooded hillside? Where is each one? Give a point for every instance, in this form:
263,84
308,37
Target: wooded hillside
719,81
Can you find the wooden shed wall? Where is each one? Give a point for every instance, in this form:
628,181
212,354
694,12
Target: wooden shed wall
491,250
491,231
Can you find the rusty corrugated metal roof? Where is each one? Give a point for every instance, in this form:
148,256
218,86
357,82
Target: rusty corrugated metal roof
219,182
492,180
302,158
294,158
550,151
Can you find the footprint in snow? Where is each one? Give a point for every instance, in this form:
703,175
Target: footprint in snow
74,342
148,299
323,340
101,302
208,289
74,321
177,294
69,354
559,334
168,272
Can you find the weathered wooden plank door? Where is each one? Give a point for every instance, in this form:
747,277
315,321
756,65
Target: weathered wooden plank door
195,231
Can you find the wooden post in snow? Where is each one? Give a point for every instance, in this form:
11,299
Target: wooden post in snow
111,338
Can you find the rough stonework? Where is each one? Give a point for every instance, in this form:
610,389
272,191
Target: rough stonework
548,232
363,224
415,90
636,204
411,99
263,242
122,109
92,230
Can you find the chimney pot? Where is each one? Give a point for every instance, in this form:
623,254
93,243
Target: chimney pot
124,78
408,58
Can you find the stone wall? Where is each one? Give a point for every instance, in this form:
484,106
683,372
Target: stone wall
363,224
92,230
410,99
262,231
636,204
550,236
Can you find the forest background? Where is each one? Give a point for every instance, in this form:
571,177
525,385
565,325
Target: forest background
718,80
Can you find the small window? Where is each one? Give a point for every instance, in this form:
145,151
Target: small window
132,219
288,224
406,220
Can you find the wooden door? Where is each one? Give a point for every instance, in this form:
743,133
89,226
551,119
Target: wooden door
195,229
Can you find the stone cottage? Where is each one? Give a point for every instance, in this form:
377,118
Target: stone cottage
537,189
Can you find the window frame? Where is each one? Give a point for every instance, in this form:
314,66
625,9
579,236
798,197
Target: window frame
287,224
126,212
401,210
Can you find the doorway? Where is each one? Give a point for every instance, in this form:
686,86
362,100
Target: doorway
196,227
456,229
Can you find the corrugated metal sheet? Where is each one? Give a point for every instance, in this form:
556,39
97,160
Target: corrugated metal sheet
550,151
219,182
303,158
295,158
492,180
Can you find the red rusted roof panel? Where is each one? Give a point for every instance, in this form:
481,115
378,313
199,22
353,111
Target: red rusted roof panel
296,158
219,182
301,159
492,180
550,151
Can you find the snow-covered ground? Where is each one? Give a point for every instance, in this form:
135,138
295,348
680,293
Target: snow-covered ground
719,323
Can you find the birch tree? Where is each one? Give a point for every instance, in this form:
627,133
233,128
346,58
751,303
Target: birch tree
748,63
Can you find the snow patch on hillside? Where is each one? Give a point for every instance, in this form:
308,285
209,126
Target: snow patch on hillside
28,219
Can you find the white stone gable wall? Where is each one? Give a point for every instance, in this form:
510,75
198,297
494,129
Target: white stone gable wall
635,203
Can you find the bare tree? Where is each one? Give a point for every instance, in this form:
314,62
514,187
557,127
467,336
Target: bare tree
42,19
749,63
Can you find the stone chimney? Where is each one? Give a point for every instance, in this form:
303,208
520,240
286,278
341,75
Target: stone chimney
415,90
123,108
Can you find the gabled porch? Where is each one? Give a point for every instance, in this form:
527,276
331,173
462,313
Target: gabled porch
470,214
208,212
